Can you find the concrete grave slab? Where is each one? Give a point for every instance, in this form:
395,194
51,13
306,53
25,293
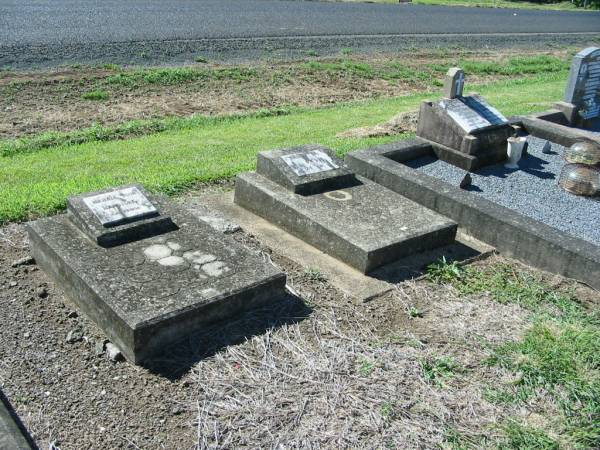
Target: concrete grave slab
512,233
346,279
155,288
362,224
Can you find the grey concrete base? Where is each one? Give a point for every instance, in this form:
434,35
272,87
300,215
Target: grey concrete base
152,292
12,436
356,285
554,126
365,226
511,233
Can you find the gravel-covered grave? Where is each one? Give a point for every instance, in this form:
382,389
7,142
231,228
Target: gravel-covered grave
531,190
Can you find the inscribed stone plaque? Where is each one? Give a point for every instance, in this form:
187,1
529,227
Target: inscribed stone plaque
468,119
583,87
120,206
311,162
484,109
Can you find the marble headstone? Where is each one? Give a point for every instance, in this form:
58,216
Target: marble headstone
583,86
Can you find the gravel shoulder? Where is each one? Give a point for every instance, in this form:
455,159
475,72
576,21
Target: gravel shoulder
315,368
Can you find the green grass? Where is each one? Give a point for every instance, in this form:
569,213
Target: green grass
38,182
174,76
559,354
97,95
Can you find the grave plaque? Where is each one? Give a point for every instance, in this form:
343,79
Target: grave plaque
120,206
350,218
468,119
314,161
484,109
583,86
160,284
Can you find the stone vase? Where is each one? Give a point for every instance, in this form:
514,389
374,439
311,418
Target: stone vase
514,151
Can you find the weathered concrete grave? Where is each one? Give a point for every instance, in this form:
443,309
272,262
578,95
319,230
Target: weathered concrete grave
147,272
310,193
578,116
464,130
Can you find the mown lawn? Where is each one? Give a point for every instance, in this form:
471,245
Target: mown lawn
38,183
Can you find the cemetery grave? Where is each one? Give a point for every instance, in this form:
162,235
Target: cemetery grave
147,272
578,116
310,193
517,207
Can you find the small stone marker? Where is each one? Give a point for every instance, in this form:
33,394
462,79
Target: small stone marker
313,161
146,271
583,86
454,83
466,181
310,192
547,148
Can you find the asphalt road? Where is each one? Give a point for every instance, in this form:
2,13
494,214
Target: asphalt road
51,30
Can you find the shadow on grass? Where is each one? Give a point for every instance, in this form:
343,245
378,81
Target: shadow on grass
178,358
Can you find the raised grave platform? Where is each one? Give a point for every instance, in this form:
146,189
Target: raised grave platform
147,272
348,217
399,166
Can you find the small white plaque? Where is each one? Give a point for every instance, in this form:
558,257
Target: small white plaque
311,162
121,205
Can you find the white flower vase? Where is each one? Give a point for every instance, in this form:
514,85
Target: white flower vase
514,151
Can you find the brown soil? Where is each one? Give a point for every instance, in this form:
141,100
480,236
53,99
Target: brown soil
314,370
31,103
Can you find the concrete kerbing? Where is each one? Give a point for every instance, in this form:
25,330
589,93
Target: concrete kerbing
13,435
513,234
540,125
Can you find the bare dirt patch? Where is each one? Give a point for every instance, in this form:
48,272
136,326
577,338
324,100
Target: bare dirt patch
32,103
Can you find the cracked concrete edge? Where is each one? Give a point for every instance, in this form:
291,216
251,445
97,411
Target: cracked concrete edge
13,435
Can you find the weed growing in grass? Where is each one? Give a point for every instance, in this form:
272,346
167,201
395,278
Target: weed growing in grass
312,53
366,368
201,59
444,272
347,51
436,371
315,274
111,66
415,312
97,95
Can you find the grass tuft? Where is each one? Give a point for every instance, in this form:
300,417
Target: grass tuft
97,95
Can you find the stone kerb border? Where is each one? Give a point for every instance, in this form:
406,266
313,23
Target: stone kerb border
513,234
